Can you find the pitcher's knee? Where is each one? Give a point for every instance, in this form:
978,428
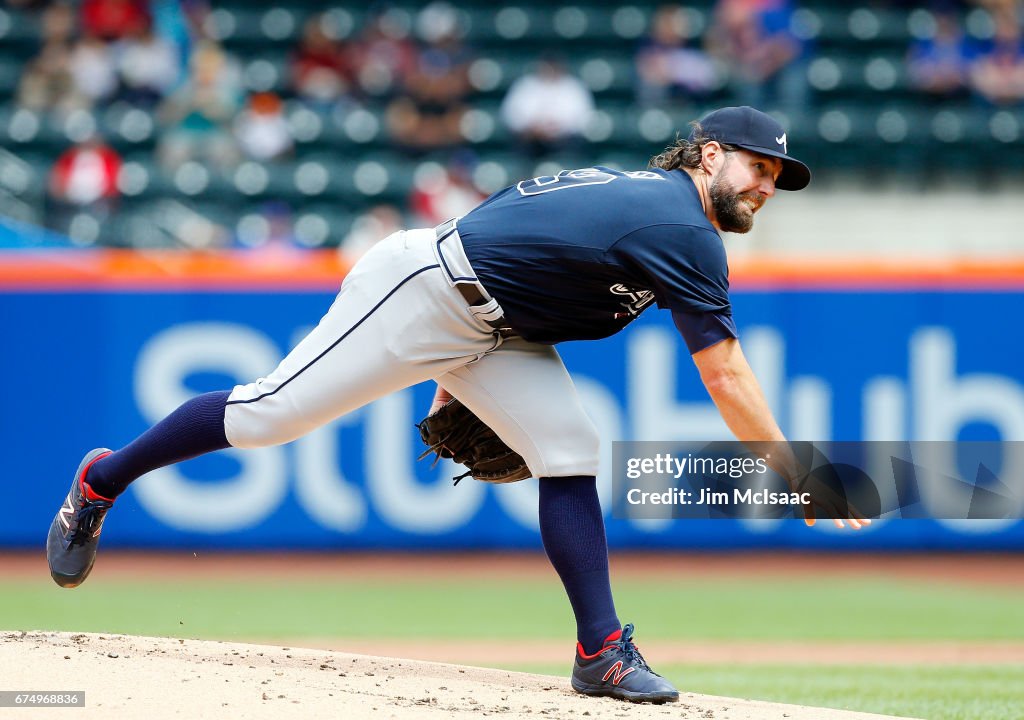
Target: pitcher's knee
256,437
247,429
574,450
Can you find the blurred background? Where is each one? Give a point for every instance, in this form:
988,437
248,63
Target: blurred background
212,124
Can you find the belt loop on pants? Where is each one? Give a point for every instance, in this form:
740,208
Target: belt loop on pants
470,288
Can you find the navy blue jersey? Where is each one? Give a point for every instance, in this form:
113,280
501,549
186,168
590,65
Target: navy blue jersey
579,255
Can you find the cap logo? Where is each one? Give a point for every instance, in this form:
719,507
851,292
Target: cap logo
782,141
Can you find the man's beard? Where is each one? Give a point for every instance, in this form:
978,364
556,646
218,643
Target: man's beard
732,213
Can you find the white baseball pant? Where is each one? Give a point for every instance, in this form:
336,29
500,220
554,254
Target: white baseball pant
399,320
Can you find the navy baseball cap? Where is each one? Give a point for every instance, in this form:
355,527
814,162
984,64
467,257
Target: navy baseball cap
758,132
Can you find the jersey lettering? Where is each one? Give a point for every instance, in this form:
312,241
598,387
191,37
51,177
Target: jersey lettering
564,180
637,300
582,177
643,175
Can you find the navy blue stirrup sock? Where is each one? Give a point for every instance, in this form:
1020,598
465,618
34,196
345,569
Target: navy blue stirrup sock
195,428
572,529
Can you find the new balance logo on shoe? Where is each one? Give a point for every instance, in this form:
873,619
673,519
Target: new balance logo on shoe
616,673
66,512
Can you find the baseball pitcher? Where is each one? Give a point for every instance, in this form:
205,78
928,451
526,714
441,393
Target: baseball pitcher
478,305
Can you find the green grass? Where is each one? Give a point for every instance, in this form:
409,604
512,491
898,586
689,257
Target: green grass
860,609
935,693
464,608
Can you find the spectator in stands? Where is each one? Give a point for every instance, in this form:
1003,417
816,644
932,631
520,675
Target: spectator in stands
113,19
381,57
997,75
938,65
46,83
58,23
147,67
261,129
84,179
199,112
93,69
666,68
767,61
319,68
427,114
547,109
441,193
180,24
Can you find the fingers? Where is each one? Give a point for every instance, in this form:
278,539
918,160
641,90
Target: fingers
853,516
856,518
855,523
809,518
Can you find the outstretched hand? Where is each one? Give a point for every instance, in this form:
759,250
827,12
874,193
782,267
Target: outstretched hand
834,504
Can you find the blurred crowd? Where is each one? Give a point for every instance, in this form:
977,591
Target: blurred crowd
951,64
755,47
159,56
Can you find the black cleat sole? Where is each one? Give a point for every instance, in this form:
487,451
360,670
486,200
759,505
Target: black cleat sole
654,698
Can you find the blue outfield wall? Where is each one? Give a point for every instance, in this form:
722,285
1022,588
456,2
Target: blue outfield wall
91,368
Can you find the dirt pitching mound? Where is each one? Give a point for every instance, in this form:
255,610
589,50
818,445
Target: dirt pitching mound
156,678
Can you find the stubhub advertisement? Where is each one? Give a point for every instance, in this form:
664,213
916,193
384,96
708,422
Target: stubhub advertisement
83,369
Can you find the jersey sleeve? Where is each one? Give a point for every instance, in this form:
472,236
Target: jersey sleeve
685,267
702,330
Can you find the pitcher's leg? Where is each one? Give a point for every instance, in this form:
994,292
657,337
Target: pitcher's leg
572,530
342,364
195,428
346,361
396,322
524,393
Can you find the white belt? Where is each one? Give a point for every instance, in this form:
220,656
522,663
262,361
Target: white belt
460,275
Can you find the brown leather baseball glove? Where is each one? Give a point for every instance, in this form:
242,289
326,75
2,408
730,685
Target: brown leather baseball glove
454,432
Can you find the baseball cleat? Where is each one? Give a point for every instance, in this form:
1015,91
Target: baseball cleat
618,670
75,531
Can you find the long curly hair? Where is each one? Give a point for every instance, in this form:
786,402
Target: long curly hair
686,152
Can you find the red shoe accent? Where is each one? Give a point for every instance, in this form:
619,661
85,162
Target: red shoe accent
614,637
87,491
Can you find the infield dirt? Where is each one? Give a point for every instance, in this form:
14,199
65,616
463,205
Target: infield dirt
157,678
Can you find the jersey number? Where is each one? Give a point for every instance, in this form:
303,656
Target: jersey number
577,178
